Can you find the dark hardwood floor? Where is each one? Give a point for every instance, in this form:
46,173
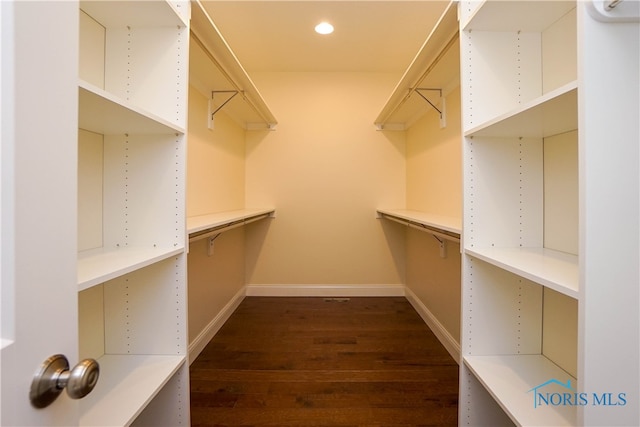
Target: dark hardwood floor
324,362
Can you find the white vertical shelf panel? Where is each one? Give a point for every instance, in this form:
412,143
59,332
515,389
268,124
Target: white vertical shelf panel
504,193
609,213
144,183
143,311
506,313
501,70
141,68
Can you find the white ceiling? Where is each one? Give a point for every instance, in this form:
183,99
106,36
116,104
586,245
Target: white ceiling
378,36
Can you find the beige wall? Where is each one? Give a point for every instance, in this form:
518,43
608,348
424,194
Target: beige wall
215,161
434,185
325,169
215,182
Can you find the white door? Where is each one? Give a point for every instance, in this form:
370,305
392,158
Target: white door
38,193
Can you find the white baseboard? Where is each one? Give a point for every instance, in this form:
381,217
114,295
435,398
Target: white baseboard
452,346
325,290
203,338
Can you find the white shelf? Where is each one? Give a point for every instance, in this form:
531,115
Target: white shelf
134,13
214,67
551,114
99,265
126,385
446,224
510,380
105,113
552,269
436,65
534,16
202,223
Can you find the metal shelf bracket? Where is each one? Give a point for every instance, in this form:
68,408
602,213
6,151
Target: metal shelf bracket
213,109
441,110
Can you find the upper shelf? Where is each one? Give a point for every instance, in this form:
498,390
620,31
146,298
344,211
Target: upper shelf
201,226
215,68
137,13
445,226
527,16
436,66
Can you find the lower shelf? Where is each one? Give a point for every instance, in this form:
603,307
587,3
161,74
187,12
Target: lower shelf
127,384
516,382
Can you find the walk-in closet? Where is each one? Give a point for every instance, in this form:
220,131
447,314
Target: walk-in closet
163,160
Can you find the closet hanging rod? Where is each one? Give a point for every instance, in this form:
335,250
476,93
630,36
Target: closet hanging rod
209,232
228,77
443,234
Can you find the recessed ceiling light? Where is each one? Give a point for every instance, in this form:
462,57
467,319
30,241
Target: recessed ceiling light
324,28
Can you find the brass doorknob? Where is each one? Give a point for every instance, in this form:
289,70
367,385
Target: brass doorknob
54,375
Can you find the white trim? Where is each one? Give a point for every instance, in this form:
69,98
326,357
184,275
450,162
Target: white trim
447,340
203,338
394,290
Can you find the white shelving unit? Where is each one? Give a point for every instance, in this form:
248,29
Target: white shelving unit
131,210
533,312
216,73
430,69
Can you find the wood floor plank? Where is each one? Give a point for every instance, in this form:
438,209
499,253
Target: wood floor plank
324,362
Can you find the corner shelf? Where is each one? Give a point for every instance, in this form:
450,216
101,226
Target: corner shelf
510,379
435,66
215,68
439,225
549,268
201,226
127,385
